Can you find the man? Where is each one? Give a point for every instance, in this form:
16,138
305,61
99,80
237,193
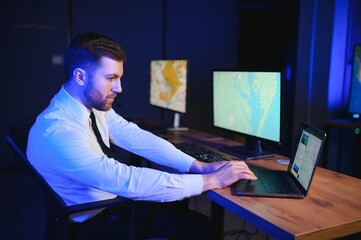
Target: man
62,145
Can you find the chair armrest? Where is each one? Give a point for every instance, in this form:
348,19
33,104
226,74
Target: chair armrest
118,201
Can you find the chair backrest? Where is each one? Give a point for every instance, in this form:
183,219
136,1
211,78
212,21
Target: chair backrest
17,138
57,212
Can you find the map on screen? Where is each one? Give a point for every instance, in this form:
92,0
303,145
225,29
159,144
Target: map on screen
168,84
248,102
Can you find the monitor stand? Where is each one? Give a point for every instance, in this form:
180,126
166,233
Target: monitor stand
176,124
252,150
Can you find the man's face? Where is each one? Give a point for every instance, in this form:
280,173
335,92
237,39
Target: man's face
104,84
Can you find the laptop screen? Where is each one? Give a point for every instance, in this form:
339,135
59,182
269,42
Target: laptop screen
306,157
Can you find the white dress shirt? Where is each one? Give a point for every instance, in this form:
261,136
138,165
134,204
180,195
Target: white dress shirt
64,150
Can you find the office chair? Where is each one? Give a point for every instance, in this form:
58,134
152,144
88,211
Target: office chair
58,225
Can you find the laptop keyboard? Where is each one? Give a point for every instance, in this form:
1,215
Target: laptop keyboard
200,153
273,183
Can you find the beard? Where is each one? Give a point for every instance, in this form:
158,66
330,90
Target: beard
96,99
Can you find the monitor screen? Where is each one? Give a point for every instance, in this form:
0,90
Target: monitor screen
168,84
248,102
355,87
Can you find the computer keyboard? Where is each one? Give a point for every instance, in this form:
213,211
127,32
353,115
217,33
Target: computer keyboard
200,153
274,182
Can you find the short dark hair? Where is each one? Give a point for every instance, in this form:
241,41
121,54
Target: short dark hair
86,50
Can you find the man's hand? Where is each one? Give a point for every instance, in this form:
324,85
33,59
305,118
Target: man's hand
222,174
202,167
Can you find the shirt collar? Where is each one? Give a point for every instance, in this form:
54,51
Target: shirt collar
77,109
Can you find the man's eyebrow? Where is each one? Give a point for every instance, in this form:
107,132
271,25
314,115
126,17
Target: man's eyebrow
112,75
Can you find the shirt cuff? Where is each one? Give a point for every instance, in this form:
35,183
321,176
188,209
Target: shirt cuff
193,184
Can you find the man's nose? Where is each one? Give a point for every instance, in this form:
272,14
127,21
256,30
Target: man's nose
117,86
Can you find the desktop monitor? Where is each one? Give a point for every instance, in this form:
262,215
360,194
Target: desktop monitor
168,87
249,103
355,87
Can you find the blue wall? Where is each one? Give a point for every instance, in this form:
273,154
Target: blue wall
193,30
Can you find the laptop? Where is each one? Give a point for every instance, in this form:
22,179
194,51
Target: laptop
296,181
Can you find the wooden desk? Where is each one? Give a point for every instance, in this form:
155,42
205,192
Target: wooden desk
332,208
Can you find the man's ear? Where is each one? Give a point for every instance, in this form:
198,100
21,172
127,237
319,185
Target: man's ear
79,76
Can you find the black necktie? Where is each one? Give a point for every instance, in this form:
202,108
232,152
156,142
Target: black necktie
104,147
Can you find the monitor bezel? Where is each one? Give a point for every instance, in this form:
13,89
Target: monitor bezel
282,103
